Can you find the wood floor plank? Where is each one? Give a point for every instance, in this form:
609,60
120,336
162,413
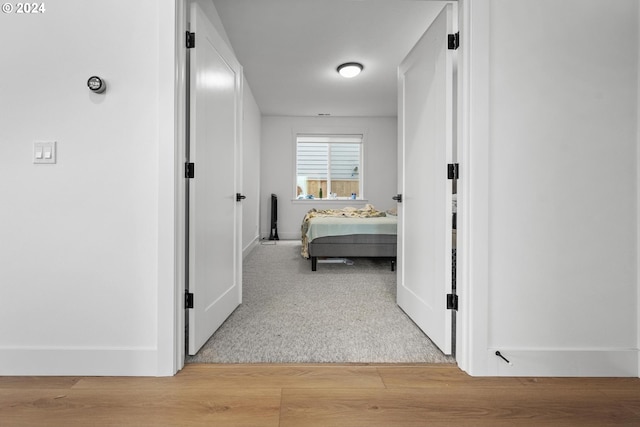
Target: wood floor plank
428,376
629,398
257,376
602,383
287,375
38,382
121,407
458,406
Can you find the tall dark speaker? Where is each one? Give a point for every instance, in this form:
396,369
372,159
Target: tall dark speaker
273,234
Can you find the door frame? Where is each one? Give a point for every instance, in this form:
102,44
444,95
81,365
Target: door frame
182,129
473,129
473,310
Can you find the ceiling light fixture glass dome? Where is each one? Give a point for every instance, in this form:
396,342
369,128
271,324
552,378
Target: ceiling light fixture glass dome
350,69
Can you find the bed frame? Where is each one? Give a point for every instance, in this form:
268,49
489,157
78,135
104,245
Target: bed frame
354,245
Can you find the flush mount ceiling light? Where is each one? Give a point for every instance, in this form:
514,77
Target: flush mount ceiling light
350,69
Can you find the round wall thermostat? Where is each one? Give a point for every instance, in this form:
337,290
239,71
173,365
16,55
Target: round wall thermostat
96,84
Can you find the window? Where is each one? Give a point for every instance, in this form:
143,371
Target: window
328,166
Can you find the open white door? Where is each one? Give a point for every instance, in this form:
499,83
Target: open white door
215,269
425,142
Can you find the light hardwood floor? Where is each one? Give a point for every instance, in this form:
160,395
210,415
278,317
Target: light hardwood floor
319,395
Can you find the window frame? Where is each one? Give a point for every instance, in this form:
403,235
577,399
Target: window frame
333,132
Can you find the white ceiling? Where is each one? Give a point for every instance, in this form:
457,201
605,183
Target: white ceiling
290,50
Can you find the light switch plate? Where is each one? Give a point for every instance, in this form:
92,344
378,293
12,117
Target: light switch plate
44,152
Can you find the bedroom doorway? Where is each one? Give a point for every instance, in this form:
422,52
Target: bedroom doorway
415,291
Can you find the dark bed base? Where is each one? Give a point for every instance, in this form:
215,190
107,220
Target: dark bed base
314,262
354,246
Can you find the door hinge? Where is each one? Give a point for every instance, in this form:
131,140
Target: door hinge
452,302
453,171
454,41
189,170
191,40
188,299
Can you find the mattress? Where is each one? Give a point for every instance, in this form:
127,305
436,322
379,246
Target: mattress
339,226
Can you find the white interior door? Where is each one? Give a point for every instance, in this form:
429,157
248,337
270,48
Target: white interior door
425,118
215,270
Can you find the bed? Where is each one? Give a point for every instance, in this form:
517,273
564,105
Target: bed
349,232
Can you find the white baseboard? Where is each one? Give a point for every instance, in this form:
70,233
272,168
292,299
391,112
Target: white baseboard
247,249
564,363
286,236
79,361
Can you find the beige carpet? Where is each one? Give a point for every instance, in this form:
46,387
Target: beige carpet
338,314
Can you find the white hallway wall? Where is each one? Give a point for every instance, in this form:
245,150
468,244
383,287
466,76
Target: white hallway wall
252,120
553,185
79,240
278,167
